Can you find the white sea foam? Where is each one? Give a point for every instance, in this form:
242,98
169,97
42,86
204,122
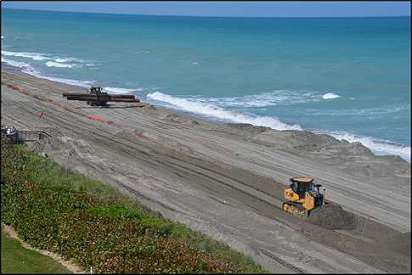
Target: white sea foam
2,37
377,146
273,98
330,96
31,55
54,60
15,63
216,112
26,68
30,70
68,59
59,65
58,62
116,90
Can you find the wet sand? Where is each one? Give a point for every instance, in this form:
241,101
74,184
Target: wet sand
226,180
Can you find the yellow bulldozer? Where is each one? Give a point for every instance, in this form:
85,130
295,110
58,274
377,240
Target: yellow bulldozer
302,196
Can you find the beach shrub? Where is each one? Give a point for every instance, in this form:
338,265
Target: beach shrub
95,226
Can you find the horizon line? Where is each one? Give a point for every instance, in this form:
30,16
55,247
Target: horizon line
204,16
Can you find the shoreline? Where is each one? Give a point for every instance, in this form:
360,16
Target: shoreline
7,67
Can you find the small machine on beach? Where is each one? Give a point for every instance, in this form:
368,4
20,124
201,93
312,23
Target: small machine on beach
96,97
303,196
10,134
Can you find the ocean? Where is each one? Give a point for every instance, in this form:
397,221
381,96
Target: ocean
347,77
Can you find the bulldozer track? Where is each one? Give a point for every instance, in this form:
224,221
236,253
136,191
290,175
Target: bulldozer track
282,262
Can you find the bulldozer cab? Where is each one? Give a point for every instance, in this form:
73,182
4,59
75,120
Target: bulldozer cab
300,185
96,90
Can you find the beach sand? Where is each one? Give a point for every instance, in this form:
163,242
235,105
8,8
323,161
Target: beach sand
226,180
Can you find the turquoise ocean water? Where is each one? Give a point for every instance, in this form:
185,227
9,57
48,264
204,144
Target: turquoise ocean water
349,77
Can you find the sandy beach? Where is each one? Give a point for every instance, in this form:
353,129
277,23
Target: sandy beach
226,180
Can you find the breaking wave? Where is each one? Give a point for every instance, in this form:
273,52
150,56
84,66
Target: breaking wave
377,146
59,65
116,90
52,61
14,63
34,56
273,98
330,96
69,59
213,111
26,68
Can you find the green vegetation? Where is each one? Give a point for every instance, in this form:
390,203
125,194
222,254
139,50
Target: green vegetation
17,259
95,225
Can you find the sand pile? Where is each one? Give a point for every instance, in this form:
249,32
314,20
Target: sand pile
333,216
